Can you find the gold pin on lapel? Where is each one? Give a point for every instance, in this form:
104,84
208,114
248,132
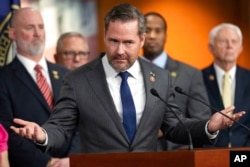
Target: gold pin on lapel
173,74
152,77
55,74
211,77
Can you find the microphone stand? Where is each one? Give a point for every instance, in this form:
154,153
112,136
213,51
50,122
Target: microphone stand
155,93
179,90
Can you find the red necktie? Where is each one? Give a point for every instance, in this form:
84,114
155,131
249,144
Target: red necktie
44,86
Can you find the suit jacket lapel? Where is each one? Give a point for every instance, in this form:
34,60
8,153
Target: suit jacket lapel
97,81
55,79
172,67
102,90
240,87
22,74
149,77
212,83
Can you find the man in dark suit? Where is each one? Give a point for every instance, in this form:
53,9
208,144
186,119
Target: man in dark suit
91,99
184,76
226,45
21,97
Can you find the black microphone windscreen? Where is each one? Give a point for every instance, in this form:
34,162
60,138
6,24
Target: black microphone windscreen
154,92
178,89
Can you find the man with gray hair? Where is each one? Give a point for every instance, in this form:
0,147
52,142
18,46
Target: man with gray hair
227,83
72,50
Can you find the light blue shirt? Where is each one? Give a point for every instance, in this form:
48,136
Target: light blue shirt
160,60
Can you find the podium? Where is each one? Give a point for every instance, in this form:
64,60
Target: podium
197,158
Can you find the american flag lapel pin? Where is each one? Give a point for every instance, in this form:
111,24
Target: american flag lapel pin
211,77
152,77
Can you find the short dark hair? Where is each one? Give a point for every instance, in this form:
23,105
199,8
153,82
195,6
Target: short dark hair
125,12
159,15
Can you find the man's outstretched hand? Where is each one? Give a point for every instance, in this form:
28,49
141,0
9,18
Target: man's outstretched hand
29,130
218,121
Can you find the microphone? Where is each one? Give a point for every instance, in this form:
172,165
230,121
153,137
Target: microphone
179,90
156,94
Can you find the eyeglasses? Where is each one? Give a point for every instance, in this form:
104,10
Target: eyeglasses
73,54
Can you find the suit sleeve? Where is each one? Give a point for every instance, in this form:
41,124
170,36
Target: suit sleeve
172,129
198,90
63,121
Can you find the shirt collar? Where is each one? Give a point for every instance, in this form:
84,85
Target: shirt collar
134,70
30,64
220,72
160,60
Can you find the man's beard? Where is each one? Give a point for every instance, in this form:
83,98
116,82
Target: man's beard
32,49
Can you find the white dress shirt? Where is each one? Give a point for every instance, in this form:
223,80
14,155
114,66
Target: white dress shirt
135,82
30,65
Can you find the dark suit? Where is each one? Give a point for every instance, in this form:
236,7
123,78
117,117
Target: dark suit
190,80
239,137
85,97
20,97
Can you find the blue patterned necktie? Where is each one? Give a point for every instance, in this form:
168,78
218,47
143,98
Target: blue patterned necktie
128,107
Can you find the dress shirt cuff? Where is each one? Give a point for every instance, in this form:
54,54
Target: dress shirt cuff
211,135
46,139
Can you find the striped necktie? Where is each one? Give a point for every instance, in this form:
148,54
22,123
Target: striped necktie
44,86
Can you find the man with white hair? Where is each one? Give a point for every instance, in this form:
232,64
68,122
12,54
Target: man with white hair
227,83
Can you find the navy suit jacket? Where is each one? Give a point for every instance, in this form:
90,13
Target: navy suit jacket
236,134
20,97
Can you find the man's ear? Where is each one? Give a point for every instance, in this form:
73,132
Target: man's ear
211,48
56,58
